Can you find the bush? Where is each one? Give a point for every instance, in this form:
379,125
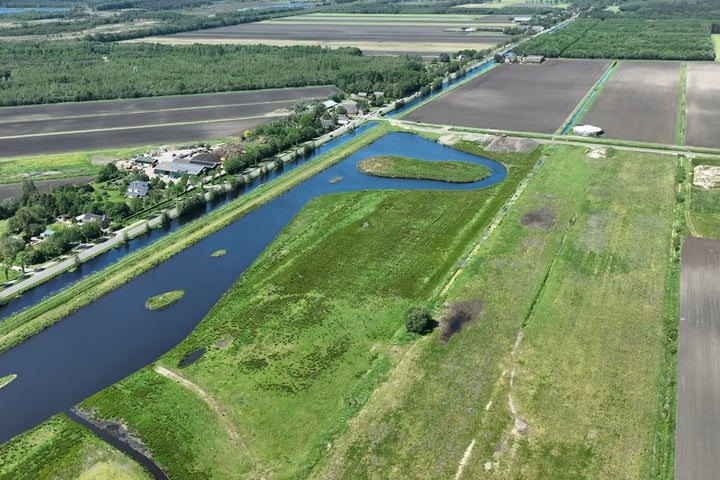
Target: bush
418,320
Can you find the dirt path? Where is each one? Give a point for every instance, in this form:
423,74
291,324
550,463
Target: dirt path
224,420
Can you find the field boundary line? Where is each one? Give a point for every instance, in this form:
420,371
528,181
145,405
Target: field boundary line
680,122
588,100
214,406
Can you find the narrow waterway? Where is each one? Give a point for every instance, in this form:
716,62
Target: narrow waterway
115,335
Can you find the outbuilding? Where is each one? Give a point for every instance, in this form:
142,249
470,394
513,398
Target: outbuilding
178,169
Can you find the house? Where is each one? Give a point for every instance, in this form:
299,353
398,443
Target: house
91,217
137,189
522,18
327,123
350,106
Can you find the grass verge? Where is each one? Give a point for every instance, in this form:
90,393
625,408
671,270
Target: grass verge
60,448
32,320
680,134
404,167
164,300
296,347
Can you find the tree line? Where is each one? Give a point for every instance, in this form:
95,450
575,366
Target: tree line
50,72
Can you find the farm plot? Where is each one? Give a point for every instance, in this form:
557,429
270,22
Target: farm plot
373,35
702,99
531,98
95,125
639,102
698,391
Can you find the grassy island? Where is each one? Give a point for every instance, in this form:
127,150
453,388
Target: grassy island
218,253
405,167
7,380
164,300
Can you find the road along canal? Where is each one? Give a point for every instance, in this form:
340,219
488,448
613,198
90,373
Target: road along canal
115,335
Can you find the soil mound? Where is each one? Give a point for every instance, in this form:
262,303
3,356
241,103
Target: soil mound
706,176
509,145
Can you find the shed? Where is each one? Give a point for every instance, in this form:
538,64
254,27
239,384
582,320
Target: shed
178,169
328,104
534,59
145,160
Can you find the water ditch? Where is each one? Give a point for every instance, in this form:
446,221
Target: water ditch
115,335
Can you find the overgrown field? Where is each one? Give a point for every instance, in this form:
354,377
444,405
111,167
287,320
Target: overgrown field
704,208
577,267
60,448
298,344
658,39
404,167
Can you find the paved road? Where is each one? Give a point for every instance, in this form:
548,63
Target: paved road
697,444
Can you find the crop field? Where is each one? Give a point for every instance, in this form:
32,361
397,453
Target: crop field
639,102
60,448
698,426
82,126
703,211
512,3
295,348
528,98
702,99
426,35
550,380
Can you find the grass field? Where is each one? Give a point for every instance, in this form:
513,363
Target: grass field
704,208
716,44
295,348
404,167
60,448
445,20
583,381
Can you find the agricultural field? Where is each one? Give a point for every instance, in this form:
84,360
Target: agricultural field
425,35
529,98
60,448
698,426
703,211
513,3
639,102
550,380
627,38
702,98
716,45
71,127
306,334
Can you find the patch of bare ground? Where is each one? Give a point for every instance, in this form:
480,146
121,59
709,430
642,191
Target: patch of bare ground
456,316
706,176
102,160
542,219
511,144
452,138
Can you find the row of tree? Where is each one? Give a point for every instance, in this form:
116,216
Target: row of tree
49,72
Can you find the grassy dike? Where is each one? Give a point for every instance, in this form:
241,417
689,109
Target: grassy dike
23,325
60,448
296,347
572,335
405,167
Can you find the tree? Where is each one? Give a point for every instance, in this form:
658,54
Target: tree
108,172
499,58
9,248
28,191
418,320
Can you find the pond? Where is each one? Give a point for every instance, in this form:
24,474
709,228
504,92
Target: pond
115,335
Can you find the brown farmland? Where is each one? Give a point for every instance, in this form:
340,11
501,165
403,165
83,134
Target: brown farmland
70,127
371,39
523,98
639,102
698,383
702,99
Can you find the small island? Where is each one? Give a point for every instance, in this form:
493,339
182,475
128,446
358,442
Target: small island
218,253
405,167
164,300
7,380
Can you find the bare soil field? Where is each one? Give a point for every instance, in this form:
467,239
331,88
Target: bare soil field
372,39
639,102
529,98
702,99
67,127
698,384
15,189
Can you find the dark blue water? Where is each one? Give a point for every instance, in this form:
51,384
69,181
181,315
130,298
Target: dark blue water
115,335
39,292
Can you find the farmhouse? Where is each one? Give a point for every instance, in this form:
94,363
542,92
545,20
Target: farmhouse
350,106
91,217
137,189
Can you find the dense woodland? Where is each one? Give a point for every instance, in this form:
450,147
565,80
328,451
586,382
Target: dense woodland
49,72
633,38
